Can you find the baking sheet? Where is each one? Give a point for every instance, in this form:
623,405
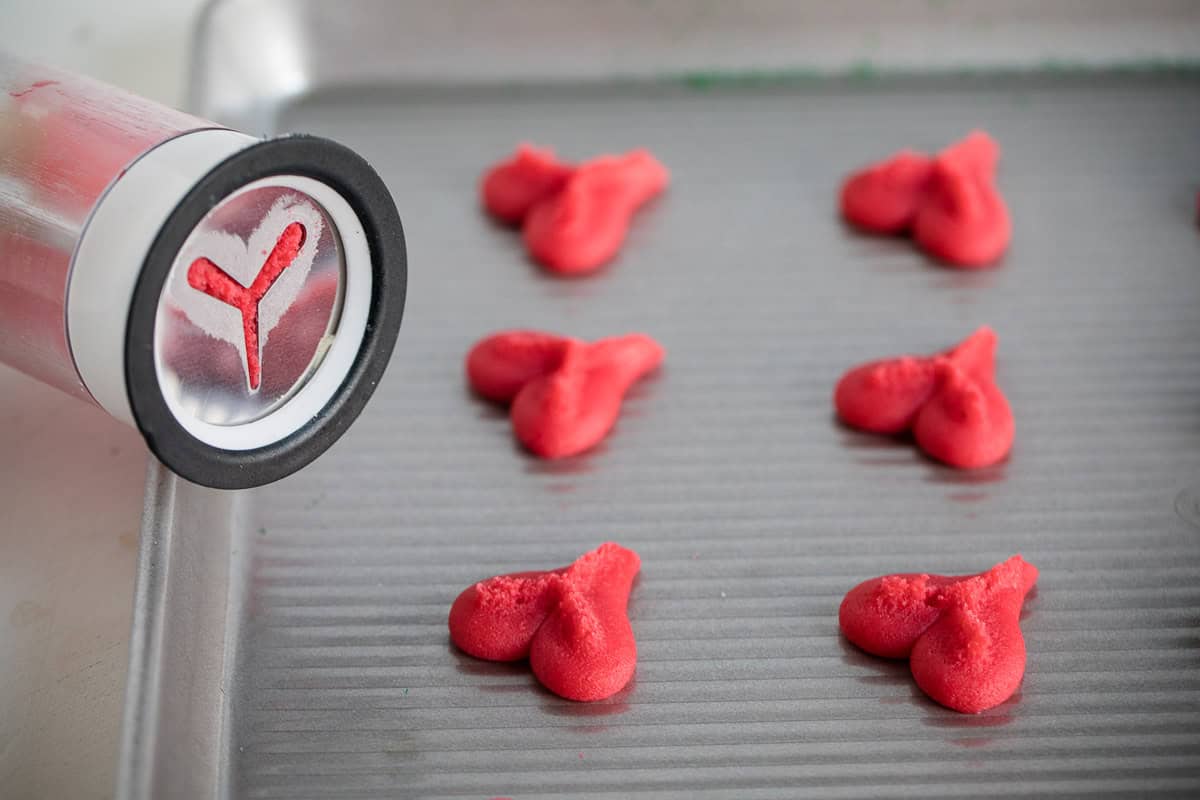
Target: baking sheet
752,509
291,642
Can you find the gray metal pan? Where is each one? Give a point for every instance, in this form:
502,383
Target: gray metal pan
292,642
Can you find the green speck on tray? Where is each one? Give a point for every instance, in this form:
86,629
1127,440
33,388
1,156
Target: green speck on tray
863,71
704,80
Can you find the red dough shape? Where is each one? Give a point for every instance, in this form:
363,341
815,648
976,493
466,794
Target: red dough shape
964,220
583,226
961,634
205,276
883,198
565,393
949,401
512,187
570,623
219,363
949,203
574,219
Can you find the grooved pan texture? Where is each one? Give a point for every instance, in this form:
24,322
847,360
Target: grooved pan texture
752,509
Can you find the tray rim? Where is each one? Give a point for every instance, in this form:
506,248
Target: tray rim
168,500
233,80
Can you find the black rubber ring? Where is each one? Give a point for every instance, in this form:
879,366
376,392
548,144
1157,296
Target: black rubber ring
347,173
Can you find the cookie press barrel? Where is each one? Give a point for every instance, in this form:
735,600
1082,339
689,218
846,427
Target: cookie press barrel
235,299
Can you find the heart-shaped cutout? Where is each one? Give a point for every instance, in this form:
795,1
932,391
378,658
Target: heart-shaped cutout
571,623
950,401
238,290
961,635
565,394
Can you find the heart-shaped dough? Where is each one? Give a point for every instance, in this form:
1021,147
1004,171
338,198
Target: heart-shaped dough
571,623
573,218
950,401
948,203
565,393
961,635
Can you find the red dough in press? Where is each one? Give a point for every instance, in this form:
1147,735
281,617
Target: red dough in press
961,635
205,276
570,623
565,393
948,203
218,362
573,219
950,401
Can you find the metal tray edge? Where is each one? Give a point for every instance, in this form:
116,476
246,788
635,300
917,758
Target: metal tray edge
189,580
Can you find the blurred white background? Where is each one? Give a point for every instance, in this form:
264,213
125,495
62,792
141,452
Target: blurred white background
141,45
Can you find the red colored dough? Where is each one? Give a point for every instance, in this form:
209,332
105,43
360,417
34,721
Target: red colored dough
573,219
571,623
218,362
583,226
950,401
961,634
883,198
512,187
565,394
948,203
967,423
884,396
205,276
964,220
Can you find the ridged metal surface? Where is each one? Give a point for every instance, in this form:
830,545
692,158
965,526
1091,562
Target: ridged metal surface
752,509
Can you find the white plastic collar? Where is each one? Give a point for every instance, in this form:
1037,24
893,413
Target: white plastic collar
114,243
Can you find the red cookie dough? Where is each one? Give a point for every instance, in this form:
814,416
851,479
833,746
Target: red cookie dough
583,226
949,203
565,393
574,219
950,401
205,276
884,197
570,623
961,634
512,187
218,362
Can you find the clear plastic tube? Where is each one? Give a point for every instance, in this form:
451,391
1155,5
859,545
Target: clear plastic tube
235,299
63,140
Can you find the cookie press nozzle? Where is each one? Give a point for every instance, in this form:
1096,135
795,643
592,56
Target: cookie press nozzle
235,299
